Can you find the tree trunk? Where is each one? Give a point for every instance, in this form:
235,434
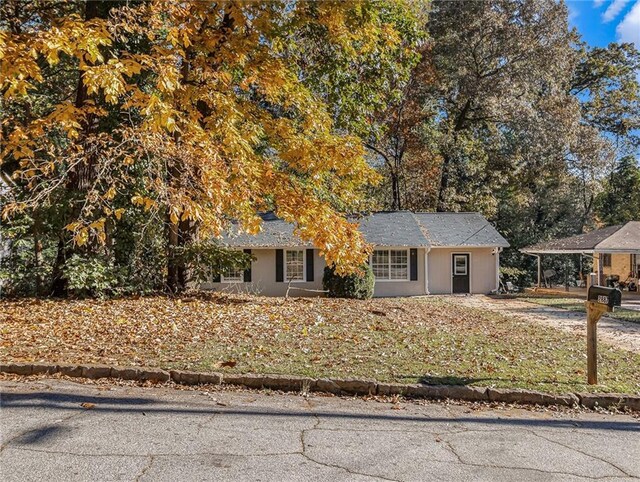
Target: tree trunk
37,252
444,184
80,178
185,234
172,258
179,234
445,176
396,204
59,283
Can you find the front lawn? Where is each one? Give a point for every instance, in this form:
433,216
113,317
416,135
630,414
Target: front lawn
429,339
577,304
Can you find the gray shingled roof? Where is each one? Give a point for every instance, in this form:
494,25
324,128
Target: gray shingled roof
624,238
396,228
459,229
274,233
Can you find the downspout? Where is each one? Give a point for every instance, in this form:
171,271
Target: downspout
426,270
497,254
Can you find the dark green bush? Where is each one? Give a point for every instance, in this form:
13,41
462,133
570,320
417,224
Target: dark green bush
358,285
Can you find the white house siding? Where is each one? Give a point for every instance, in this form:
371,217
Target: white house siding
263,277
482,267
403,288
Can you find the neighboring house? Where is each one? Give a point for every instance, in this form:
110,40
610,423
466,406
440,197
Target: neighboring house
414,254
615,251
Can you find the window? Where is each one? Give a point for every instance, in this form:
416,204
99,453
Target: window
460,265
606,260
380,264
294,265
233,276
399,265
390,264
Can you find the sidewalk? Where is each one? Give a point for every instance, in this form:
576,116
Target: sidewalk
622,334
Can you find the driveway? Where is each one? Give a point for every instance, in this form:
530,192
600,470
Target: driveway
55,430
619,333
630,300
630,303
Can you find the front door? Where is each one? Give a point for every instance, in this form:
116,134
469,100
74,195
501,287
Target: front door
460,273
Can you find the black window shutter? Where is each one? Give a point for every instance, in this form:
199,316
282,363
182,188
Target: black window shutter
309,264
279,266
413,264
247,272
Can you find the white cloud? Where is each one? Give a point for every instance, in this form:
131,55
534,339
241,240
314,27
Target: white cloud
629,29
597,3
573,12
614,10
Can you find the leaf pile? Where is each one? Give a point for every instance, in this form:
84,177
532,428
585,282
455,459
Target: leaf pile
430,339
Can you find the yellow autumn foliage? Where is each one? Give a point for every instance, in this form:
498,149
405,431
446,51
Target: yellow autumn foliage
221,124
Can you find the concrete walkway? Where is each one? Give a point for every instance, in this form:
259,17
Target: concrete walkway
55,430
619,333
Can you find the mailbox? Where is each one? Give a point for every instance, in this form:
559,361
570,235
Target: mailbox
609,297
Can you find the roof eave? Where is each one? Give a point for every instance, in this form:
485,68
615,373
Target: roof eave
458,246
556,251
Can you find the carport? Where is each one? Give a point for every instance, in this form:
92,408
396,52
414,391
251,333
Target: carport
615,251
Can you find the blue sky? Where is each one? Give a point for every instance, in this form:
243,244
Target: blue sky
603,21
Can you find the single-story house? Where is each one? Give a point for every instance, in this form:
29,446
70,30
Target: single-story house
414,254
615,251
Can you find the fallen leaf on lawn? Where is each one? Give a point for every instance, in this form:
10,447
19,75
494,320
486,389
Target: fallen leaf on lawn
228,363
378,312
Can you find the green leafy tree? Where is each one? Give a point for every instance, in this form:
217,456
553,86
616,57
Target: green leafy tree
620,200
523,120
606,82
502,96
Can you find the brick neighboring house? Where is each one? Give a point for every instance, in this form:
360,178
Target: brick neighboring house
614,249
414,254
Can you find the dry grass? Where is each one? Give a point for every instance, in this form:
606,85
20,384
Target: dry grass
429,339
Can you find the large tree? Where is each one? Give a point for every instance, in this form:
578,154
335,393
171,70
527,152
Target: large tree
378,94
193,113
523,120
606,83
503,67
620,200
398,140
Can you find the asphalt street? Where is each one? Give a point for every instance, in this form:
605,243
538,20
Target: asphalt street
56,430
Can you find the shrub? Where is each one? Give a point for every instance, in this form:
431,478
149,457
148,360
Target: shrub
357,285
91,276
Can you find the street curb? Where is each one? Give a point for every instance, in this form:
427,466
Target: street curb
337,386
